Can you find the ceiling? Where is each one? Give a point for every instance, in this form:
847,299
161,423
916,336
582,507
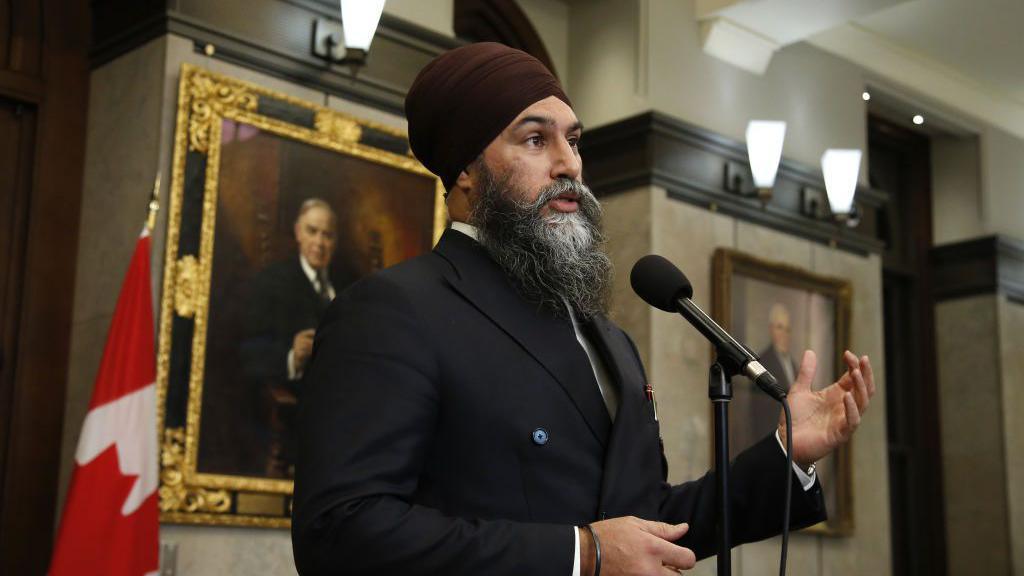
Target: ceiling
962,57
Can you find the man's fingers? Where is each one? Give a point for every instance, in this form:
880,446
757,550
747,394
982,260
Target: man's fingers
808,366
851,360
869,374
670,532
860,391
852,413
678,557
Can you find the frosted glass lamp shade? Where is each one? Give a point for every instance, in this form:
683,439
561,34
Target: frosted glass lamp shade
840,169
359,19
764,147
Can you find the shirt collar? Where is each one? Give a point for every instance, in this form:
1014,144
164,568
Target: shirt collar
308,269
467,229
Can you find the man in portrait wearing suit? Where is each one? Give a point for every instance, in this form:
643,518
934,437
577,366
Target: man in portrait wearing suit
285,303
474,411
777,359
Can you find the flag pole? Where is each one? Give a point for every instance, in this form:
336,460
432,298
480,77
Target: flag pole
154,205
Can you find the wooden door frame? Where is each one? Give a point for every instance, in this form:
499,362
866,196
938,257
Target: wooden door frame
55,79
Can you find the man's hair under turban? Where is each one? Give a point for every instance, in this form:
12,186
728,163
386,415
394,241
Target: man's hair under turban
465,97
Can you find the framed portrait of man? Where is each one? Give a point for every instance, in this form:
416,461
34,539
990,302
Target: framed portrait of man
779,311
277,205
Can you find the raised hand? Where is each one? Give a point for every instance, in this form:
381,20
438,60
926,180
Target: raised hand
824,419
634,547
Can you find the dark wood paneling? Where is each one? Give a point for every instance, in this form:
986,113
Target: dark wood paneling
21,39
17,127
274,37
989,265
900,162
21,36
690,163
49,66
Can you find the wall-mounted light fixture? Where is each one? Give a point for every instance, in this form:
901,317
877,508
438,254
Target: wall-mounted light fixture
348,42
841,169
764,150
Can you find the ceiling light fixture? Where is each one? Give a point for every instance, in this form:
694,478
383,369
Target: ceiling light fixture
841,168
866,96
359,20
918,119
764,150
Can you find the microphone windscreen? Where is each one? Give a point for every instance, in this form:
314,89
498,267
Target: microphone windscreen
659,282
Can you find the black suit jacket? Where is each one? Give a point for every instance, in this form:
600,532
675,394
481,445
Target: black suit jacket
280,302
418,448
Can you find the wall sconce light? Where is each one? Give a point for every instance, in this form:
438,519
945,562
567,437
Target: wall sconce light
840,168
764,150
359,19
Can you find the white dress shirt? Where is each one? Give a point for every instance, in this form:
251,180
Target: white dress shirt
611,395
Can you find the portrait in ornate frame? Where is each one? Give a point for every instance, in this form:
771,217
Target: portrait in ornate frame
248,164
779,311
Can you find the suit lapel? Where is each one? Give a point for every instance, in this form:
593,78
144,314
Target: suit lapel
308,291
628,419
550,340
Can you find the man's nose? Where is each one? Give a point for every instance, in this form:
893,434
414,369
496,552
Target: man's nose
566,163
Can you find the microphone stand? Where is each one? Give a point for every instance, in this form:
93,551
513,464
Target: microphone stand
720,393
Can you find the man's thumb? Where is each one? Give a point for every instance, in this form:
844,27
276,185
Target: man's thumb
808,366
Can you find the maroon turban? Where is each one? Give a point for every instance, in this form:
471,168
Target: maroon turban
465,97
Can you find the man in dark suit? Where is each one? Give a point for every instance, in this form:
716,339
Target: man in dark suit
284,304
473,410
776,358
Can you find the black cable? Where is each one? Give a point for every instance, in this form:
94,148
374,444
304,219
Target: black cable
789,486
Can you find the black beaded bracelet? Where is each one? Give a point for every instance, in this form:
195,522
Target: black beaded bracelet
597,550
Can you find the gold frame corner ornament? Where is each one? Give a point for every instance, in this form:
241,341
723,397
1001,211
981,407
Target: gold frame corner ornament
205,100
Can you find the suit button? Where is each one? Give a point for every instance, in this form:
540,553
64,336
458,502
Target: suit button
540,436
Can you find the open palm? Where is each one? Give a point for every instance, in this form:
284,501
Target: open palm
824,419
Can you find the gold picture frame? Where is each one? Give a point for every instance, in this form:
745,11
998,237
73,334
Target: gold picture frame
769,305
207,102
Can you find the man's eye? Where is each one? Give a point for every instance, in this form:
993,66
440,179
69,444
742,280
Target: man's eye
574,141
535,140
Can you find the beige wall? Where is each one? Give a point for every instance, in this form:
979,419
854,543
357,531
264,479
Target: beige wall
551,20
646,221
956,189
1002,183
433,14
1011,352
981,371
632,55
977,185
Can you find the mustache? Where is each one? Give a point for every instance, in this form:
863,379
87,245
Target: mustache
564,186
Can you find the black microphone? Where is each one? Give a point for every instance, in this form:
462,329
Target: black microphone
665,287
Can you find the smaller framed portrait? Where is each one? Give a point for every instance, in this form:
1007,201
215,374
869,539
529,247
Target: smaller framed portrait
779,311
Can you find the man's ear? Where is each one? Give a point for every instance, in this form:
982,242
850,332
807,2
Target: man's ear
461,197
465,181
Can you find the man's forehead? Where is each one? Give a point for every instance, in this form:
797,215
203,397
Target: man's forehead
317,215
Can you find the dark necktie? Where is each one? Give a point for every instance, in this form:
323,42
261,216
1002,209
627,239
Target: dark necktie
321,288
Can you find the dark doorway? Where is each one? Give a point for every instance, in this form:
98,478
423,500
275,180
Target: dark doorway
900,164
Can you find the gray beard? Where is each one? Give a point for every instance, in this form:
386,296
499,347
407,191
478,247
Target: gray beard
552,260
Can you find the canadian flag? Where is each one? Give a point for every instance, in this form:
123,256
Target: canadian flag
110,521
